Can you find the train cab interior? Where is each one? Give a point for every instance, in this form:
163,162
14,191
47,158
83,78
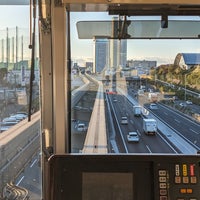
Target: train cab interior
98,174
145,69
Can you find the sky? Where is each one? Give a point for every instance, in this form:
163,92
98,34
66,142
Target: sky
164,51
12,17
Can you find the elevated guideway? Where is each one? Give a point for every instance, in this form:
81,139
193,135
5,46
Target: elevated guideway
96,138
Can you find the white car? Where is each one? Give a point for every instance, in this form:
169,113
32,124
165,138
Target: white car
188,102
133,137
153,106
182,104
11,119
124,120
19,116
141,92
81,127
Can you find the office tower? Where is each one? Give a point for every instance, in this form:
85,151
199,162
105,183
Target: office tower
118,49
101,54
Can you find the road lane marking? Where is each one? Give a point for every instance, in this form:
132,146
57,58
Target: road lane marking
194,131
33,163
177,120
148,149
20,180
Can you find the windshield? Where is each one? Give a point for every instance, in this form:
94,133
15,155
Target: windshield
154,67
19,144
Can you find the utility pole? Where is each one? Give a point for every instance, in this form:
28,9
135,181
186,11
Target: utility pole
185,88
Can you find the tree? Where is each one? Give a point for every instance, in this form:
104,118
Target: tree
3,73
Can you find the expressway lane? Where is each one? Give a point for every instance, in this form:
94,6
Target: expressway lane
184,125
147,144
30,178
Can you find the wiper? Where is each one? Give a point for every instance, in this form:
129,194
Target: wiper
32,46
123,29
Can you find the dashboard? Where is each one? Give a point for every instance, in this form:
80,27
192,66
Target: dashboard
124,177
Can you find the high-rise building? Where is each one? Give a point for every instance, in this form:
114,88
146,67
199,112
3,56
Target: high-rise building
111,54
114,47
101,54
122,53
118,49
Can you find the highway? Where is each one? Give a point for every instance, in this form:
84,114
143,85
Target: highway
147,144
30,178
119,105
184,125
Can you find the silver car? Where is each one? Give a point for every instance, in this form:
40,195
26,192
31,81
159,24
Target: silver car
124,121
133,137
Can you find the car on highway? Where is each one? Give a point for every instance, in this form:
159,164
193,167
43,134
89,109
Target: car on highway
124,120
4,126
11,119
19,117
133,137
153,106
81,127
140,92
182,104
188,102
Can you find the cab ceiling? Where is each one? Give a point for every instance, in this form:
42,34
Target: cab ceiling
127,5
137,9
124,7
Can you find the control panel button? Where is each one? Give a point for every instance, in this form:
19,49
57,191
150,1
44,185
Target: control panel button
189,190
163,198
185,179
163,192
162,179
177,179
193,179
183,190
163,185
162,173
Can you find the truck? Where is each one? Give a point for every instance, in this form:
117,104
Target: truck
149,126
137,111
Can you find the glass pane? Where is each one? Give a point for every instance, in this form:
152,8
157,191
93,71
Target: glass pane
20,173
151,87
134,29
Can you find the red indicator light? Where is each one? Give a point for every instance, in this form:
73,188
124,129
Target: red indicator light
192,170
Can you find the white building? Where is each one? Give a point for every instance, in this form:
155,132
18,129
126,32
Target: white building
187,60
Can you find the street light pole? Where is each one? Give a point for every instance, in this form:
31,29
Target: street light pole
185,89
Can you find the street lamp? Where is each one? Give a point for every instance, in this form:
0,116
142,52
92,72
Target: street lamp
185,88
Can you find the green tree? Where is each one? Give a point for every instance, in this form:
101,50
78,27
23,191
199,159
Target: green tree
3,73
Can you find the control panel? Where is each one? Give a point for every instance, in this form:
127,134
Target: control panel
177,180
124,177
